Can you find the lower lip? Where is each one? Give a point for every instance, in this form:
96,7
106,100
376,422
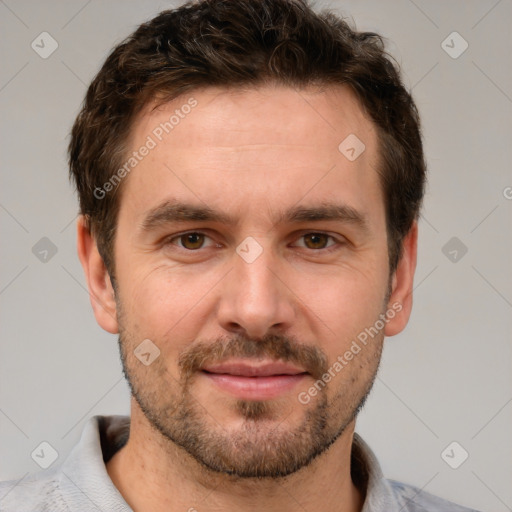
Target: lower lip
255,388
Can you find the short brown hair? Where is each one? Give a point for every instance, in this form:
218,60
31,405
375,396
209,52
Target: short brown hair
241,43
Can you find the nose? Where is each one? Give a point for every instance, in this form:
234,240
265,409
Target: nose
255,298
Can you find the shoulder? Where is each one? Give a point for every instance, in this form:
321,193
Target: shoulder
413,499
77,482
40,491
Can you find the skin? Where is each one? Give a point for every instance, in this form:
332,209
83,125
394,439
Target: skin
250,154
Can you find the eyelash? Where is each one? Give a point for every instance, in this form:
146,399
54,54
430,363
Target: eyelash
338,243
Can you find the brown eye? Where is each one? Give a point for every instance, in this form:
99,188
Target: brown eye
192,241
316,240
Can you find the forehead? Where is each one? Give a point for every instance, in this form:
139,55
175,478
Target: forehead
216,144
272,114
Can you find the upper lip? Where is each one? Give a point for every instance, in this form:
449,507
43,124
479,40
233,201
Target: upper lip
254,369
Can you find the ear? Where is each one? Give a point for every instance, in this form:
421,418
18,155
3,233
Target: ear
400,299
101,292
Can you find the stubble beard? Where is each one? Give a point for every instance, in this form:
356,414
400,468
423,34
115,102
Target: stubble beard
263,444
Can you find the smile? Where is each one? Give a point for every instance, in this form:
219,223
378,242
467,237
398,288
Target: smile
258,381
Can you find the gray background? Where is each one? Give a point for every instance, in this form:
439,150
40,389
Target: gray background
446,378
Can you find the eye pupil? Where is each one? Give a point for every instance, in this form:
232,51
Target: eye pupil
192,240
316,239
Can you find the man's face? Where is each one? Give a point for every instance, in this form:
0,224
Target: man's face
253,299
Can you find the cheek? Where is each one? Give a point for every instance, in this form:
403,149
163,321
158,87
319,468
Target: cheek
349,329
345,298
165,304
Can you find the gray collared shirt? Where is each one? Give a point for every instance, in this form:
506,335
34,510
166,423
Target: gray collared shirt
81,482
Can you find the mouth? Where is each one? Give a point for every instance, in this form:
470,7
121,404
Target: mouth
249,380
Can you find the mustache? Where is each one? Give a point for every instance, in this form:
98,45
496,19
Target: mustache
273,346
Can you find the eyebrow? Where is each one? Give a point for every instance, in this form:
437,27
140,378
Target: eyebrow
176,211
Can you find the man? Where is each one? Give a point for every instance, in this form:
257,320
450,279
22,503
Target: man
250,176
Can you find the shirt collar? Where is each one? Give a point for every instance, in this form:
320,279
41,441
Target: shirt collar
366,471
84,474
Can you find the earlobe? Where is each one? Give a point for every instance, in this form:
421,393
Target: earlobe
400,300
101,292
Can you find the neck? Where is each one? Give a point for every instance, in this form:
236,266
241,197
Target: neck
152,473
